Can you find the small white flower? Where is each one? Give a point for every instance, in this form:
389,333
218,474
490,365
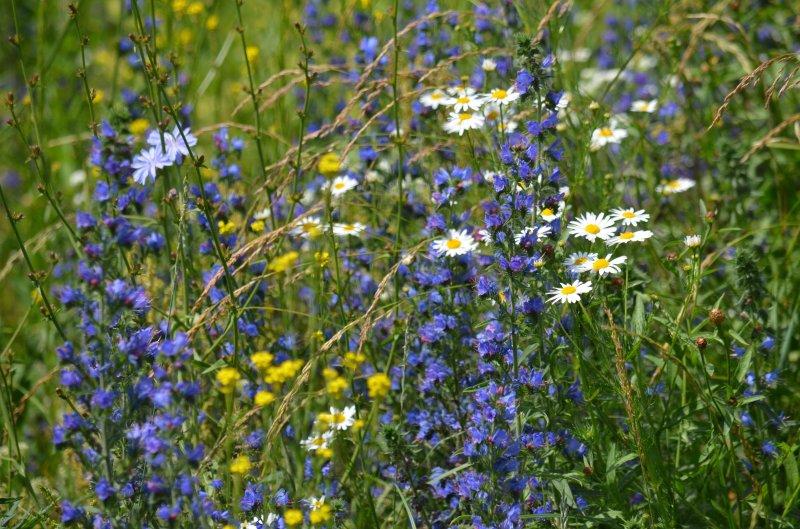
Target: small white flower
604,265
574,263
605,135
434,99
679,185
316,503
343,230
502,96
692,241
569,292
264,214
456,243
592,226
463,121
253,524
341,185
342,419
540,231
549,215
308,228
488,65
629,216
644,106
630,236
466,101
317,441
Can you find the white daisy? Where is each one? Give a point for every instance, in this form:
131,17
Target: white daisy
604,265
501,96
253,524
569,292
679,185
630,236
343,230
463,121
264,214
316,503
629,216
592,226
317,441
549,215
541,231
488,65
456,243
644,106
341,185
574,263
509,126
692,241
605,135
342,419
466,100
434,99
308,228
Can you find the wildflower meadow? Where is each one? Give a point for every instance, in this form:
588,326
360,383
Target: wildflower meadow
418,264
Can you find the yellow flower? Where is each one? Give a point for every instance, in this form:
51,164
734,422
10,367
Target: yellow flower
378,385
330,373
324,419
185,36
353,360
327,453
322,259
252,54
293,517
241,465
257,226
139,126
262,360
280,264
212,22
195,8
264,398
320,515
280,374
336,386
226,228
358,424
97,95
329,165
179,5
228,377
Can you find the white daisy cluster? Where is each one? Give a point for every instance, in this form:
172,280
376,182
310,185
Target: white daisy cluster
615,228
470,110
327,425
159,155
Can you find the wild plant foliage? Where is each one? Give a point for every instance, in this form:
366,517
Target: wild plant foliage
489,265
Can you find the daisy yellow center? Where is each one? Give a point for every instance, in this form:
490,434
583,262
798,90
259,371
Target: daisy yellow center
629,214
464,117
349,227
453,244
580,260
491,116
339,185
319,441
499,94
627,235
338,418
606,132
567,290
594,229
547,212
308,227
600,264
674,184
463,100
436,96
